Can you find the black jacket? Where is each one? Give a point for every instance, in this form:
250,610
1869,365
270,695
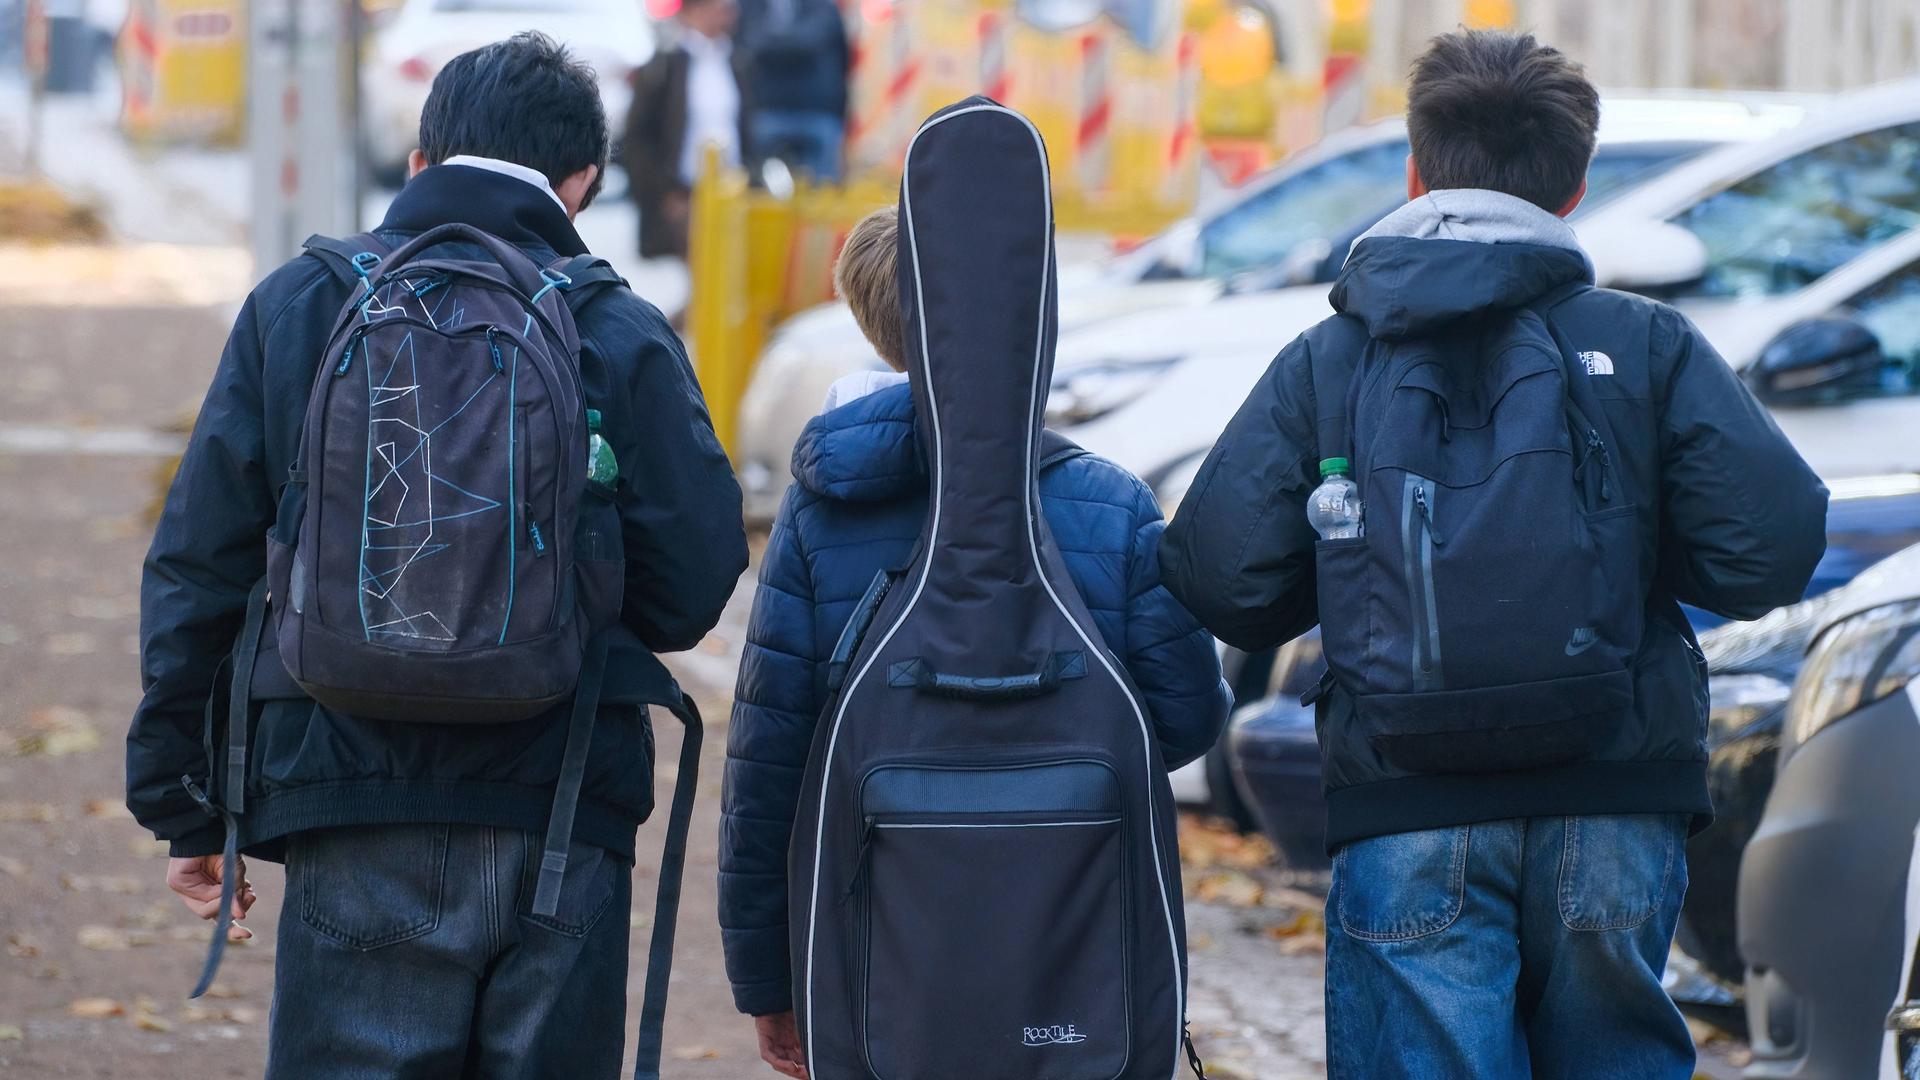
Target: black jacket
655,135
798,64
310,767
1730,520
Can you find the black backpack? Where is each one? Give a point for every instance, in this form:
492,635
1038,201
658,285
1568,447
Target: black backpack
1488,616
439,553
983,866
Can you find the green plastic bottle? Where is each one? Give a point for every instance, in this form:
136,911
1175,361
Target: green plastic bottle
602,467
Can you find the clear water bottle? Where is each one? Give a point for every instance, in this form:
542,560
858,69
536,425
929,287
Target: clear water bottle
1334,507
602,468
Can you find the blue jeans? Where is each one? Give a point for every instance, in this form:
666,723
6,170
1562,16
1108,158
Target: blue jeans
1508,949
411,951
808,141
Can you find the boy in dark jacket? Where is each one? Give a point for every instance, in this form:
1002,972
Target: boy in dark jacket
1500,920
857,507
407,944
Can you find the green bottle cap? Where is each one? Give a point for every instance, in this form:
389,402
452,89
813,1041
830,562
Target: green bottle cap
593,419
1334,466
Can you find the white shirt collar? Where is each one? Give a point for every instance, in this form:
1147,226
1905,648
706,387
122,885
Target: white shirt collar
706,48
508,168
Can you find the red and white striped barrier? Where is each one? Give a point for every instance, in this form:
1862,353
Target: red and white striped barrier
1093,145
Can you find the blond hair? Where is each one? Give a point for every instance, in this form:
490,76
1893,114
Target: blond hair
867,278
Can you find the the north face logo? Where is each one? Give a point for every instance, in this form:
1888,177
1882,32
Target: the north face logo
1056,1035
1598,363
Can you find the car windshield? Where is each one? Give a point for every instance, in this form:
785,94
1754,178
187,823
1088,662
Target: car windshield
1266,228
1781,228
1357,189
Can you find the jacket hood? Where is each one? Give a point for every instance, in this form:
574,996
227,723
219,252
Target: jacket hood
1455,255
868,451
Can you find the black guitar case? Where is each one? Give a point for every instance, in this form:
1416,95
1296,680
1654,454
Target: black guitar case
985,884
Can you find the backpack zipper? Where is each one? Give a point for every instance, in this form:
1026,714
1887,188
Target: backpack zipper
1419,540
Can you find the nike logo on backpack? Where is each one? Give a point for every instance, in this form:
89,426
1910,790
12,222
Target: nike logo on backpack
1583,639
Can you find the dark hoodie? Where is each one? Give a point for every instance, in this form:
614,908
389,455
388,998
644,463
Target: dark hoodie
857,507
1730,520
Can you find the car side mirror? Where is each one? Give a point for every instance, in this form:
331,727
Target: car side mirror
1817,360
1645,256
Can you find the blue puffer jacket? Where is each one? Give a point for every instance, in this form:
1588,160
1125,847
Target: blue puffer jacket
857,508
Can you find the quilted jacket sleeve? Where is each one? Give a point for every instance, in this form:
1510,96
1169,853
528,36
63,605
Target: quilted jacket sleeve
1170,656
776,704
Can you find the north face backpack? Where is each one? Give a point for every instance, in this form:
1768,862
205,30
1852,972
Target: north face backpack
439,553
1488,616
984,880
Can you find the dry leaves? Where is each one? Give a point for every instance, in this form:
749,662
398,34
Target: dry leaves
37,813
103,939
696,1053
22,946
96,1008
55,731
108,809
11,1033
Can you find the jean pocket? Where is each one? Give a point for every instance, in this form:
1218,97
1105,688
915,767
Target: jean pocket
1615,870
1403,885
370,887
587,889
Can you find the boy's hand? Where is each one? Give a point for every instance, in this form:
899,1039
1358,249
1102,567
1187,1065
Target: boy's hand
780,1044
197,880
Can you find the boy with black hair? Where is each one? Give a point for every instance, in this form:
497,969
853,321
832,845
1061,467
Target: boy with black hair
408,943
1521,477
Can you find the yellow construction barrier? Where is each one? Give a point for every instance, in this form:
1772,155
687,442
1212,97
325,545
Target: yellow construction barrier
184,70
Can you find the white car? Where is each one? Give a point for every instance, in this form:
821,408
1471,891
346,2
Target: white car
1826,207
1280,228
614,36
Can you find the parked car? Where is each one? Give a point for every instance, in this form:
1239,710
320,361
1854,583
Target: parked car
1278,229
1149,389
1823,880
410,48
1900,1055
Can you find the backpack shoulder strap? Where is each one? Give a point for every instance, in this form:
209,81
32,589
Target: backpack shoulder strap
1583,405
1332,362
584,277
666,903
348,258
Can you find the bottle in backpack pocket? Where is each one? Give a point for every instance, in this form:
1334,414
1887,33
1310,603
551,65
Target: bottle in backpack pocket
1334,509
602,467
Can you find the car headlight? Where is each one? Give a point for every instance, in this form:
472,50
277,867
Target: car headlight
1855,663
1090,391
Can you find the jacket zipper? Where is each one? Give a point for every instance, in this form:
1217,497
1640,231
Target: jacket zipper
1420,538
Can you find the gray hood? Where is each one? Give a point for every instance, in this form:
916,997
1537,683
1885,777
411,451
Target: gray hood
1478,216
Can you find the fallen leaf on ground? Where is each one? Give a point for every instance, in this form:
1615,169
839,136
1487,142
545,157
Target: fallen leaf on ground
242,1014
124,886
109,809
221,992
12,867
96,1008
56,731
1305,922
103,939
38,813
11,1033
22,946
1228,887
150,1022
696,1053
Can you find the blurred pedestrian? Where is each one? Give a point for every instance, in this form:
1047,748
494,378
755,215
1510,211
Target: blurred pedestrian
693,94
1493,485
797,59
411,942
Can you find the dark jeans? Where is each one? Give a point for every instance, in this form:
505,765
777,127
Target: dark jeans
1510,949
808,141
411,951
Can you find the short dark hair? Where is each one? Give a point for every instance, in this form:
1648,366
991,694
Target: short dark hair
1497,110
524,100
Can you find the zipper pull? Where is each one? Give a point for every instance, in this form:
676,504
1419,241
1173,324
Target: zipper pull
860,860
499,365
346,358
1596,447
1426,515
533,532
